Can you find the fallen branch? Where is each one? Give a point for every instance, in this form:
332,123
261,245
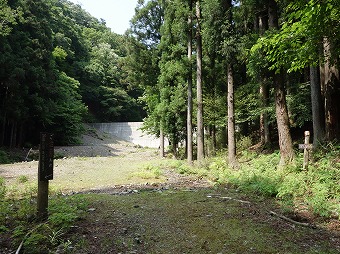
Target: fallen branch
230,198
292,221
26,158
237,200
23,240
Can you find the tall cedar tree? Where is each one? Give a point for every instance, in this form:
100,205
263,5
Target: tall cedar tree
285,139
199,84
190,104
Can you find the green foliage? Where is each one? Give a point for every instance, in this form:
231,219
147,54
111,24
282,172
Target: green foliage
247,105
33,241
22,179
4,158
298,42
317,189
8,17
64,211
18,214
299,104
244,143
55,60
3,188
149,172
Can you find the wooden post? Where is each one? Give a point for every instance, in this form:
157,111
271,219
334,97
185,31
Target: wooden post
42,200
45,173
306,151
161,147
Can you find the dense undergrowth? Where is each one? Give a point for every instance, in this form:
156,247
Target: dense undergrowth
316,190
19,224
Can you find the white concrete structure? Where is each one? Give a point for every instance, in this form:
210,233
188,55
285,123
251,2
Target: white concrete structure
129,131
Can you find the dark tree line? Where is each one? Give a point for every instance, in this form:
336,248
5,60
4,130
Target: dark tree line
59,67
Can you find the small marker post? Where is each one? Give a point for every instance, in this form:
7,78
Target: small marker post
306,149
45,173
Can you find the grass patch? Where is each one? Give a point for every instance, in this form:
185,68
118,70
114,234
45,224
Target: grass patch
149,172
18,220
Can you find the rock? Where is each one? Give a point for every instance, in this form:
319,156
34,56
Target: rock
138,240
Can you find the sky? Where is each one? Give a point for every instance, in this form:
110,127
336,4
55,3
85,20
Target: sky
116,13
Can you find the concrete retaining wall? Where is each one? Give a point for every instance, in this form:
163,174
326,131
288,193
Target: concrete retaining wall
129,131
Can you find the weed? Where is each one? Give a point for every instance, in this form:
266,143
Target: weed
244,143
35,243
22,179
18,213
56,236
3,188
64,211
317,189
149,172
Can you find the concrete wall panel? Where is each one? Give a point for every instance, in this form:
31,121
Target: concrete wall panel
129,131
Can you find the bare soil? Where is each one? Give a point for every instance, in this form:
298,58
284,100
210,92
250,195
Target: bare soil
188,220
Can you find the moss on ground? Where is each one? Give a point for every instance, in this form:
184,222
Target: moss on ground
192,221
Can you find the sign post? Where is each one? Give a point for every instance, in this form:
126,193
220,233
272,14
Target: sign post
45,173
306,148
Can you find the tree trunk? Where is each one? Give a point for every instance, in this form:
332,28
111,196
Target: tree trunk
264,124
3,131
190,107
231,119
13,137
174,145
317,107
264,93
282,119
3,96
273,18
21,135
161,147
214,140
200,126
332,94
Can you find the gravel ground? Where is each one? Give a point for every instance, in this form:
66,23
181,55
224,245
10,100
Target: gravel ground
101,164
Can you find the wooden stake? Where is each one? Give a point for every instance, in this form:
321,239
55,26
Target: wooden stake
42,201
306,151
45,173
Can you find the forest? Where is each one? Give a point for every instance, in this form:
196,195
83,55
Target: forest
203,74
60,67
267,70
233,85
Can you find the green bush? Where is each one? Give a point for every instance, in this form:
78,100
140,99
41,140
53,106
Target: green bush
243,143
4,158
3,188
318,188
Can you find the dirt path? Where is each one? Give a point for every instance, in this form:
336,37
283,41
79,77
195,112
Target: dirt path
102,164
